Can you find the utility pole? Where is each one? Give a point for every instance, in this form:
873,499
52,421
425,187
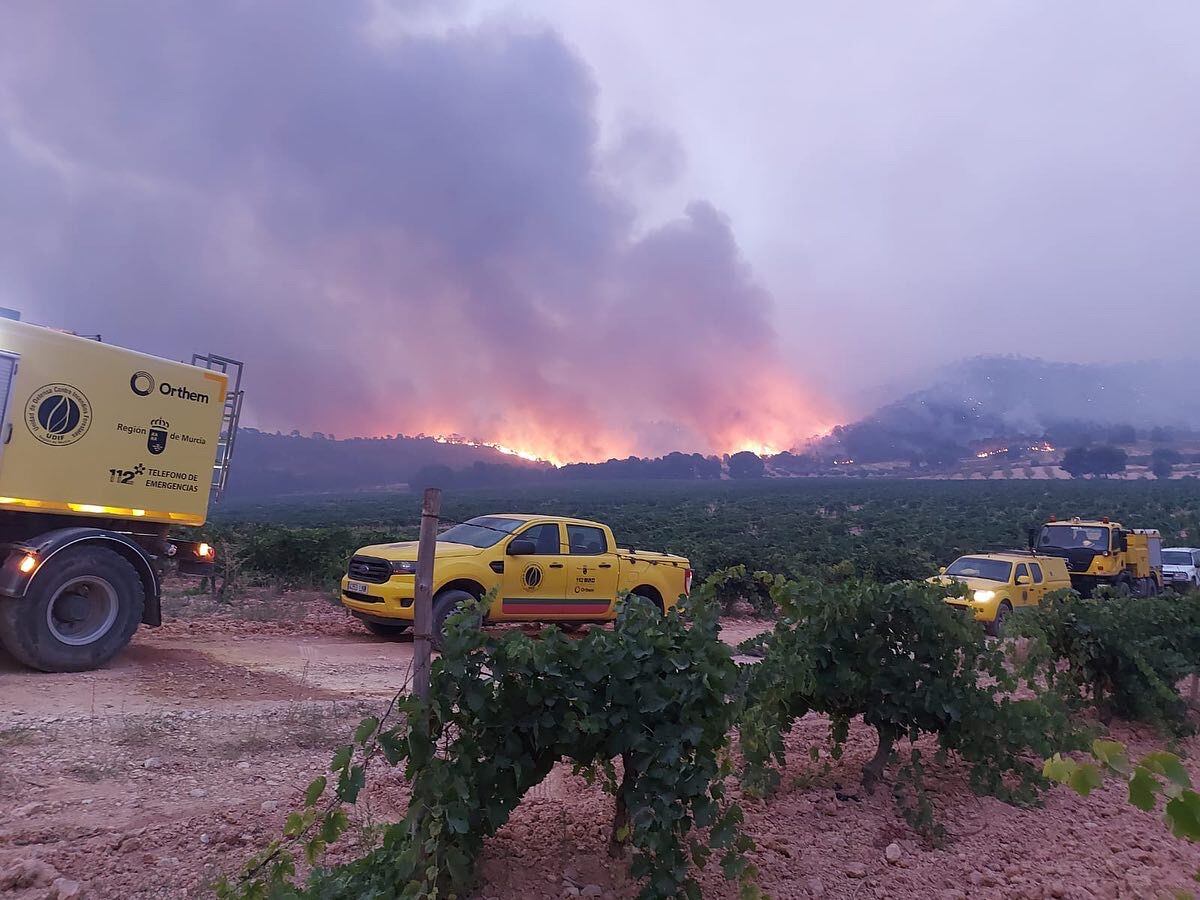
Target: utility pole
431,507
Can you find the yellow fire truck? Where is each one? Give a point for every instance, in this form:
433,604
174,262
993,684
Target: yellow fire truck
1103,553
102,450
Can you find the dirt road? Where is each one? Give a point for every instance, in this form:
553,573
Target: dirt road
153,777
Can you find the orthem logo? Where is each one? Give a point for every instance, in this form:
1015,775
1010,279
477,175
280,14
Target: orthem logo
58,414
156,438
532,577
142,384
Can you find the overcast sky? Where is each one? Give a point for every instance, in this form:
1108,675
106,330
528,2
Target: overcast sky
601,228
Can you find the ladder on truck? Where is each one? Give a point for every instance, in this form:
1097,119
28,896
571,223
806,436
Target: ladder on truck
230,415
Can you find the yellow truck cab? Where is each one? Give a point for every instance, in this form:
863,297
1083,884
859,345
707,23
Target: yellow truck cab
997,583
1100,552
542,568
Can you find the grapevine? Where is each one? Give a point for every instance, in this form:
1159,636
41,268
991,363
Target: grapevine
654,694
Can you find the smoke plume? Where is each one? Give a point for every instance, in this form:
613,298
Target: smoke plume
401,232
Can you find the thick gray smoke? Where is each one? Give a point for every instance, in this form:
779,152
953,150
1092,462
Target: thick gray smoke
398,235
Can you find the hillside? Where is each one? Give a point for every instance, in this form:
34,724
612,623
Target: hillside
973,406
989,399
267,465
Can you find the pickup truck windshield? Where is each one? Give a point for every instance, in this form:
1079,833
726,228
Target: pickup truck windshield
482,531
974,567
1177,558
1071,537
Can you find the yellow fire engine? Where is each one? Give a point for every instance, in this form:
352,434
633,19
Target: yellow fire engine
102,450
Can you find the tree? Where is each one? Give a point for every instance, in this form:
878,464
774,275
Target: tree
1102,460
1163,461
1108,460
1075,462
745,465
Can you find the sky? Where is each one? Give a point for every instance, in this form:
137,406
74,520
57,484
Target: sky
589,230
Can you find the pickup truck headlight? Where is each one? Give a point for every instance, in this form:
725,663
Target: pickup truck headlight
404,567
983,596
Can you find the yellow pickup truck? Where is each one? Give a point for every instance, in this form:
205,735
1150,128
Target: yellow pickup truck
543,568
994,584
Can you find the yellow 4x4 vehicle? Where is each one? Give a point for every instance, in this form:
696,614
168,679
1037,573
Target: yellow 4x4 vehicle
997,583
1104,553
543,568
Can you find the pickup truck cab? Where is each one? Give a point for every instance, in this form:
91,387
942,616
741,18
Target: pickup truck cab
994,584
1181,568
542,568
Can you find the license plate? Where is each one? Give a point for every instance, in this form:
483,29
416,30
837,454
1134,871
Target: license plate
359,587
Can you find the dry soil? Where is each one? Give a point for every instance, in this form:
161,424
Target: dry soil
154,776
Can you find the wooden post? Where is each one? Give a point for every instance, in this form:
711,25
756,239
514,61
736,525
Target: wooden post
431,506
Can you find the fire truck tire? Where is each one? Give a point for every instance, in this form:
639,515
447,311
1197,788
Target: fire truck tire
445,605
81,609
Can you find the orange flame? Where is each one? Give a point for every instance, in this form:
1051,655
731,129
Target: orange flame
765,413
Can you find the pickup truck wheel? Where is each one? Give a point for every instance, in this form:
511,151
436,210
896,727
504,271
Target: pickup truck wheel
642,598
82,607
444,605
390,630
995,628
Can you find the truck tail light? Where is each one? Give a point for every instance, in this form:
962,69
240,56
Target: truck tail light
27,564
205,551
687,581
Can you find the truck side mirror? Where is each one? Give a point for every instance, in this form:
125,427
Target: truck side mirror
1122,541
1032,536
941,570
1024,579
521,547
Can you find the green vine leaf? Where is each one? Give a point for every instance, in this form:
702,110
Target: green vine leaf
315,789
1143,789
366,728
1183,814
1168,765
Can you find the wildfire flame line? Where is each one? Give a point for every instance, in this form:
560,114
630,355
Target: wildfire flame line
499,448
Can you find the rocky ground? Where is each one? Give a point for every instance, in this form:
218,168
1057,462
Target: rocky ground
153,777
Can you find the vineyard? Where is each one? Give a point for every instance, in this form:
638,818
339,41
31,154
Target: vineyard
883,530
657,712
809,724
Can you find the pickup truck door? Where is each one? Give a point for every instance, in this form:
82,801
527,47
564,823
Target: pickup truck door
593,569
1023,591
1037,590
533,586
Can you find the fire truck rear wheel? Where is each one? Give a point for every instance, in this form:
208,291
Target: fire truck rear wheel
81,608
